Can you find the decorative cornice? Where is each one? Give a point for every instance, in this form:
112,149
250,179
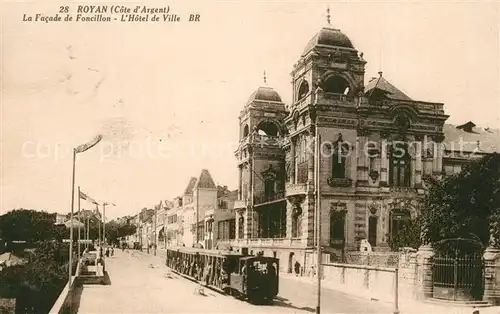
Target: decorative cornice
339,182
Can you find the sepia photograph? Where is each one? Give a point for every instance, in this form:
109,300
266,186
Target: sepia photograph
249,156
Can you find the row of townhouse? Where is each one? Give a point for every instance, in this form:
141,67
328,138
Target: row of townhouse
201,216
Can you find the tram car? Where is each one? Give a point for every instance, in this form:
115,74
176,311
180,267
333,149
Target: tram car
254,278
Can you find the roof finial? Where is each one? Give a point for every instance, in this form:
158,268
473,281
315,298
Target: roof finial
328,14
265,78
380,73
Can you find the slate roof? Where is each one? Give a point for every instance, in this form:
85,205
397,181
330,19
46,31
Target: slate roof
229,195
489,139
390,90
190,186
205,181
265,93
330,37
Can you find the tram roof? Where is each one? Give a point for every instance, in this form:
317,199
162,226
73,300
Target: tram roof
258,257
205,251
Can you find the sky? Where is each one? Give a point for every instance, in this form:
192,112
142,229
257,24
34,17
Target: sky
166,97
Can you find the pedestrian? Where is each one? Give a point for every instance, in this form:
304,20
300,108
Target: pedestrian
112,251
107,252
297,268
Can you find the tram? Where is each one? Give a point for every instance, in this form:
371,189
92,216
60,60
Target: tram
253,278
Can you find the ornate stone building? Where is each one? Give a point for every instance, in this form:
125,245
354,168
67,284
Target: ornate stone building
377,147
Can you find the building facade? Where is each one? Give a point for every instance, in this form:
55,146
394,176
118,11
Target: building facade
377,146
224,221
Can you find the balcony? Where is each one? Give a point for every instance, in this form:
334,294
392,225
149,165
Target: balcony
266,141
267,199
334,99
296,189
240,204
269,242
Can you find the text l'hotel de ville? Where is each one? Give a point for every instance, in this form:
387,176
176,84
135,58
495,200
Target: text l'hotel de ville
110,13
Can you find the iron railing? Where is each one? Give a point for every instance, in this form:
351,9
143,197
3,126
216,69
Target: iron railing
458,277
263,198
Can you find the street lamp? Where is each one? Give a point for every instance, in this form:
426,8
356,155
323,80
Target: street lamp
80,149
104,220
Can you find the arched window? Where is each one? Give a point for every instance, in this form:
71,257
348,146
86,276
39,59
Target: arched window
400,165
301,158
339,158
303,89
245,131
337,85
267,128
399,219
241,228
296,222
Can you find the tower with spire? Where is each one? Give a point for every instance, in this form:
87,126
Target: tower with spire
261,163
360,175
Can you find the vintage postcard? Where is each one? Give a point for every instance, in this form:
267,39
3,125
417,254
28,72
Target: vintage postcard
250,156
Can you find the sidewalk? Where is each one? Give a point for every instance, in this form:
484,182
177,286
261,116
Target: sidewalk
404,305
141,284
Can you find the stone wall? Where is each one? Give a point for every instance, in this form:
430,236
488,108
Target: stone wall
374,274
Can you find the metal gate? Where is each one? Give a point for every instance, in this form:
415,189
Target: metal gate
458,275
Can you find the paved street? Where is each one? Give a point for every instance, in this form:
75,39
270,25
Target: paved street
136,287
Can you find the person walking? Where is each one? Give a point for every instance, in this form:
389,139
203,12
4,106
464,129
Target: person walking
297,268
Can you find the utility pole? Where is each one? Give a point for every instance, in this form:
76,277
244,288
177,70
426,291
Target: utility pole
70,270
197,213
79,227
147,238
99,226
104,222
318,216
88,232
156,212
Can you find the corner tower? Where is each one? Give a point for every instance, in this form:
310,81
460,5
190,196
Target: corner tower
261,166
328,88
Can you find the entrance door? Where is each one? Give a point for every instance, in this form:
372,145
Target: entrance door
372,230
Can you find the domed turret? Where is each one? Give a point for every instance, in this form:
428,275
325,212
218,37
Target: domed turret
329,37
264,94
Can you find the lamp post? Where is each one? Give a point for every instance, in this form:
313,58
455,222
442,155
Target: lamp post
79,227
80,149
318,217
104,220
